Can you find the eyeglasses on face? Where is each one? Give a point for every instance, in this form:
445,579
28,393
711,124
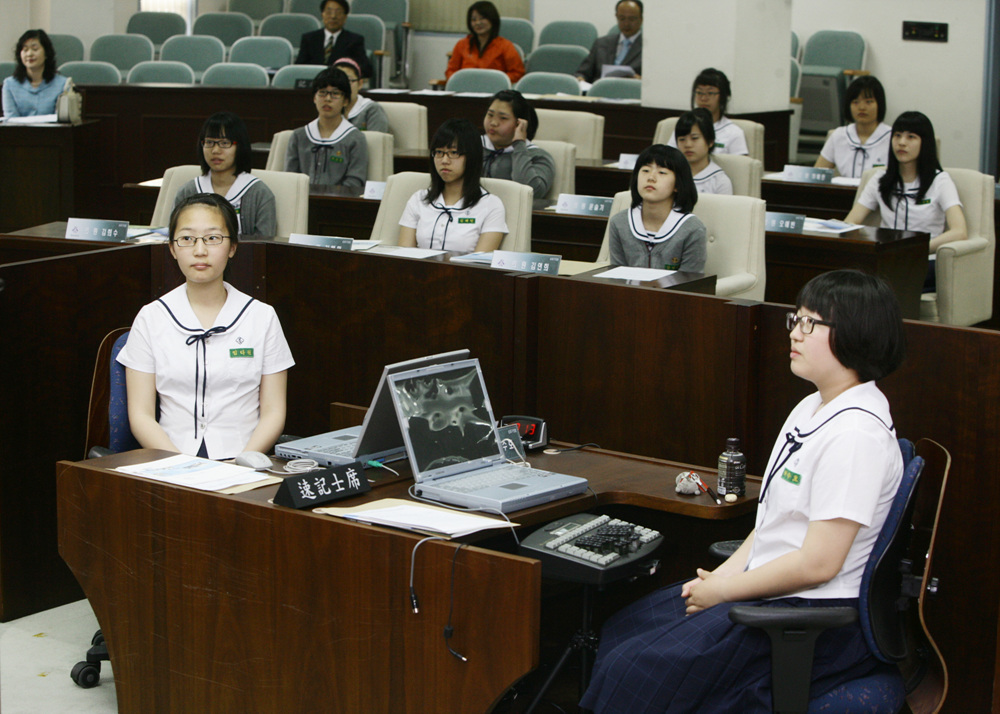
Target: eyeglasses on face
450,154
189,241
804,322
330,94
705,95
221,143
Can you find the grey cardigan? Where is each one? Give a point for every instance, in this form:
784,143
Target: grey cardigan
340,163
524,163
683,249
258,212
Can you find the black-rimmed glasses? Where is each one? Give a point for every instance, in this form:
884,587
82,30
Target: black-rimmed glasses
804,322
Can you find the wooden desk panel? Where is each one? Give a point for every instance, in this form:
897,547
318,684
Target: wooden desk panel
227,603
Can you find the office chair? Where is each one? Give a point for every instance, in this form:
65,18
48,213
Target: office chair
519,31
199,52
584,129
562,59
568,32
888,585
563,155
123,51
753,131
289,25
291,199
548,83
68,48
227,26
373,30
286,77
477,80
407,124
745,173
268,52
157,26
161,71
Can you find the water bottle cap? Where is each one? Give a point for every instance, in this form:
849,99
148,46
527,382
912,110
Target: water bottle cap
733,444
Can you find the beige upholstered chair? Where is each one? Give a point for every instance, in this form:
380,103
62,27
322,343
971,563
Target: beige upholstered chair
408,124
379,155
964,270
584,129
735,226
564,155
279,147
173,179
398,189
291,199
744,171
754,133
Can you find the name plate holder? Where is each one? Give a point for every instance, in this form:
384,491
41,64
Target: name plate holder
374,190
627,161
333,242
574,205
526,262
93,229
314,488
776,222
807,174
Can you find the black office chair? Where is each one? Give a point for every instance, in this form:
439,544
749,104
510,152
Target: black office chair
888,587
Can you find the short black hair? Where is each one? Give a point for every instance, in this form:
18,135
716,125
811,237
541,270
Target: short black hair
342,3
465,137
868,334
685,193
49,71
700,117
712,77
489,11
227,125
333,77
520,107
637,2
867,86
212,200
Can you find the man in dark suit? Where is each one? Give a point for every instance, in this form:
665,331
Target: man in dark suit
621,48
328,45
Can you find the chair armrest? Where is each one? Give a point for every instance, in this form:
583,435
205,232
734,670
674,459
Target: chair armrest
799,618
97,452
963,247
732,284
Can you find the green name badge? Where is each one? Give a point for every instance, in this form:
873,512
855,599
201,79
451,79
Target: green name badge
791,477
783,222
246,352
92,229
526,262
337,159
583,205
471,221
321,241
807,174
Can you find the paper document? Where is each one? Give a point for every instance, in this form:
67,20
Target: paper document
484,257
190,471
846,181
37,119
364,244
623,272
405,252
386,90
399,513
832,226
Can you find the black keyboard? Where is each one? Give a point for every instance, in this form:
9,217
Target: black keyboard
586,548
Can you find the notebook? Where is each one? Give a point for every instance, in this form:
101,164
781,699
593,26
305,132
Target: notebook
450,436
378,437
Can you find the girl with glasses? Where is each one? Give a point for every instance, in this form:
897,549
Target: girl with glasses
362,112
226,160
710,90
206,365
827,489
331,150
455,213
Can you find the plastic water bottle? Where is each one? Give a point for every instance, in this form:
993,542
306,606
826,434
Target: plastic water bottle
732,469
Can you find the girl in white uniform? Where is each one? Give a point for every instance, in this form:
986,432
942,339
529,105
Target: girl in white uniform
696,140
659,231
362,112
226,159
828,488
711,91
913,193
865,143
455,213
214,358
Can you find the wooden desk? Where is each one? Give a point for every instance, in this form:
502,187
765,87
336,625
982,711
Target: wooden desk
46,173
898,256
228,603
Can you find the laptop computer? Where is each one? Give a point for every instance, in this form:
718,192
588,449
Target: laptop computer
450,435
378,438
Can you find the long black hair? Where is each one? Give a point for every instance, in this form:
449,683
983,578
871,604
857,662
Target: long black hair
891,183
49,71
667,157
464,137
489,11
229,126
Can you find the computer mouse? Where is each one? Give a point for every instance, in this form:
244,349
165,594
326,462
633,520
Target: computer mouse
254,460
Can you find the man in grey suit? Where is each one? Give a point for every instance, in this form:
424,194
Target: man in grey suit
621,48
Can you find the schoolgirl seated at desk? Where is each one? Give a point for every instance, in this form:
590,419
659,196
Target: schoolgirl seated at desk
696,140
510,125
331,150
865,142
711,91
455,213
659,231
362,112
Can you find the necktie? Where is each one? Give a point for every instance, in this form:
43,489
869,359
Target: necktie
328,50
620,57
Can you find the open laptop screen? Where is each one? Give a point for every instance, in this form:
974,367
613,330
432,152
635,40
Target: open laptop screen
446,417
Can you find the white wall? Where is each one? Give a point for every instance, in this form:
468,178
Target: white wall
942,80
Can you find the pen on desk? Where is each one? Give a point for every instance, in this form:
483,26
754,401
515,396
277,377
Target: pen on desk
708,489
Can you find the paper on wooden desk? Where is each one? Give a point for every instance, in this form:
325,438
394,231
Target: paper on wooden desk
419,517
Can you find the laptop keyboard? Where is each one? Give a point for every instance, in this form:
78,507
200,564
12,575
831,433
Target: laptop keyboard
494,477
344,449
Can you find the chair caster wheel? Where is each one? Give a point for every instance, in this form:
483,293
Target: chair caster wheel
86,675
97,639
